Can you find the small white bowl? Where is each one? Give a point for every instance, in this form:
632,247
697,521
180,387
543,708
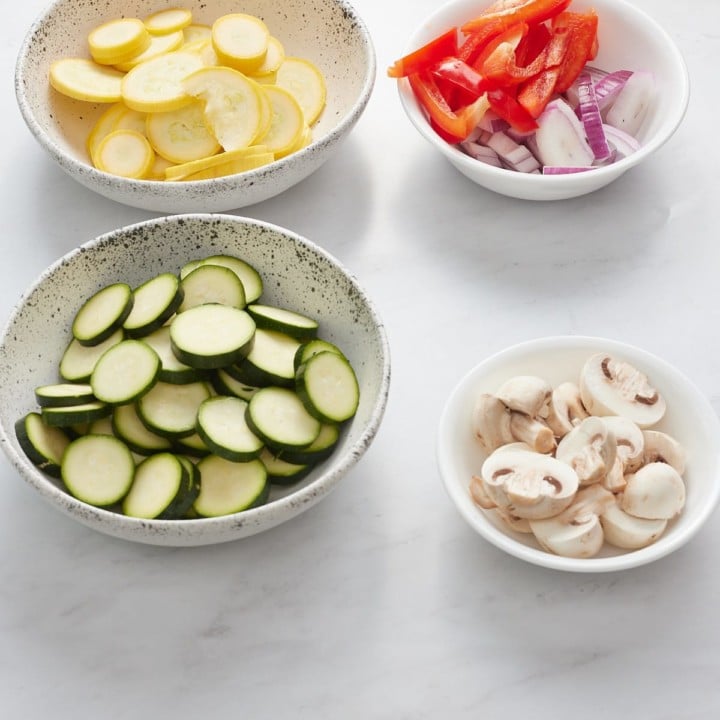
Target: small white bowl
297,274
628,39
328,32
690,419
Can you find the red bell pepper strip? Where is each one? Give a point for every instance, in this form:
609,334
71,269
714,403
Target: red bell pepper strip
536,40
457,125
508,108
460,74
426,56
503,43
514,11
475,43
583,39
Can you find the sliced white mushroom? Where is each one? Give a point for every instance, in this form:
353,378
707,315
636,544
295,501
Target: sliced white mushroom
661,447
656,492
589,449
576,532
627,531
609,386
528,484
491,422
614,481
532,431
565,409
479,494
515,523
629,439
527,394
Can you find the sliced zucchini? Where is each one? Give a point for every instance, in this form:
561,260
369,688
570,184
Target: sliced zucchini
285,321
282,472
171,410
78,361
249,276
125,372
320,449
228,487
212,284
102,314
192,445
44,445
72,415
270,361
101,426
313,347
163,487
221,424
211,336
226,384
171,369
62,394
128,426
328,388
98,469
278,417
154,303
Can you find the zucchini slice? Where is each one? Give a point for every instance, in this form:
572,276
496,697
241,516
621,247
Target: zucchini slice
282,472
192,445
171,369
125,372
212,284
62,394
171,410
228,487
44,445
102,314
154,303
289,322
313,347
222,426
163,487
226,384
211,336
249,276
270,361
78,361
278,417
128,426
320,449
98,469
328,388
72,415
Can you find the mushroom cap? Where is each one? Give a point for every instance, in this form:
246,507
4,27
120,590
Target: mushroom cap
565,409
589,449
661,447
655,492
491,422
529,484
609,386
629,440
627,531
527,394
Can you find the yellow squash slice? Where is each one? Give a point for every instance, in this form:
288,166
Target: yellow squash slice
168,21
233,105
181,135
306,83
126,153
84,79
239,165
131,120
159,168
195,32
241,41
103,126
157,85
273,59
287,124
182,172
118,40
159,45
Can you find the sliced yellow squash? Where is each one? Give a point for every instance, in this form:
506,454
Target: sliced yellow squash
118,40
84,79
159,168
168,21
180,172
240,41
239,165
287,123
126,153
181,135
159,45
196,31
130,119
306,83
273,59
103,126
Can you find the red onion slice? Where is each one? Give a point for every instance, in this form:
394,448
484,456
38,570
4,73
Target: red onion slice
608,87
591,119
622,143
631,105
516,156
564,170
560,137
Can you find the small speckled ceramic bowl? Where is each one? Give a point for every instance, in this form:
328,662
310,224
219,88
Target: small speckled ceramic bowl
327,32
296,273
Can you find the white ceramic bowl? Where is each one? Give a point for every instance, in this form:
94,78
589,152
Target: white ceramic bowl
689,418
328,32
628,39
296,273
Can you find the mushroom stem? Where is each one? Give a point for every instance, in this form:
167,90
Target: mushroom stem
533,432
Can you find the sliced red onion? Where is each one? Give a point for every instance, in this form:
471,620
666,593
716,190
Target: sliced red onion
560,137
608,87
596,73
491,122
590,117
621,142
564,170
517,156
481,153
632,102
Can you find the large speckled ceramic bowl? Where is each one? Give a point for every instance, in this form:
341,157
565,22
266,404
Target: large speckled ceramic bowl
328,32
296,274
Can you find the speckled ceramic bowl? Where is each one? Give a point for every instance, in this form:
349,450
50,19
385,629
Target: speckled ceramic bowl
328,32
296,274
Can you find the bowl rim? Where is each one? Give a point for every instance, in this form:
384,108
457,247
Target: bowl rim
228,182
260,517
476,518
527,181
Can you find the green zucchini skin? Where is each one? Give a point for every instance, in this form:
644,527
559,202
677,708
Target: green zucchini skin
320,449
44,445
114,317
313,347
63,394
161,308
269,317
71,415
310,384
228,487
283,472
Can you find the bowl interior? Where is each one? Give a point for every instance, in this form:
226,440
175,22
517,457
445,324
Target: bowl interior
689,418
327,32
628,39
296,274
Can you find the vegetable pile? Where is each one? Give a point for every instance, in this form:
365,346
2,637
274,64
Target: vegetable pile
579,465
188,101
514,88
188,397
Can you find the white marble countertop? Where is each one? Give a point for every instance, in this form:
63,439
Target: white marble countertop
381,602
